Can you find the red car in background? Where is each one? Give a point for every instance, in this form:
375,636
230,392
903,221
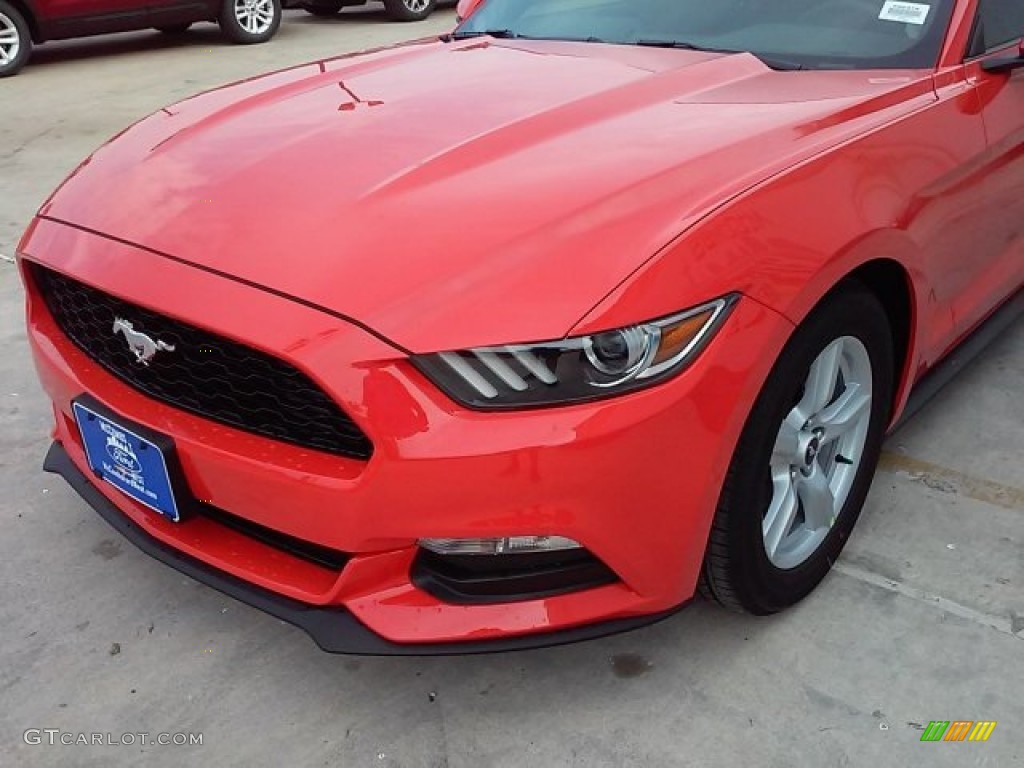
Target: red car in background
526,334
24,23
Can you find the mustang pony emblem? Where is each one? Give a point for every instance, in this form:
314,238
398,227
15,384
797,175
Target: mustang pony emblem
141,345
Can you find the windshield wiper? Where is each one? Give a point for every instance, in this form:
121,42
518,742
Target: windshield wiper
779,65
681,44
508,34
500,34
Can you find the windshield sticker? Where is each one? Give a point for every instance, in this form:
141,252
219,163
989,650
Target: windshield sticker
905,13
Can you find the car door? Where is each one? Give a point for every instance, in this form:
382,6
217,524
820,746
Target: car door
990,277
170,13
78,18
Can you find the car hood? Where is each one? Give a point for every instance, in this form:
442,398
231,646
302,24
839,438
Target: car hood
463,194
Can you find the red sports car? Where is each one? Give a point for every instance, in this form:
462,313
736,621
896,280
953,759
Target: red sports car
526,334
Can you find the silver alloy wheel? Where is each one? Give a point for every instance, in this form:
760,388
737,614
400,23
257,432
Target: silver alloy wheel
10,40
416,6
254,16
817,453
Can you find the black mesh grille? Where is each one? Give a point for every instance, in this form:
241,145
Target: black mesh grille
206,374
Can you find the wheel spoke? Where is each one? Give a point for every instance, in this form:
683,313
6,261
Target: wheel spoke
778,521
818,452
846,413
821,381
255,18
819,504
787,444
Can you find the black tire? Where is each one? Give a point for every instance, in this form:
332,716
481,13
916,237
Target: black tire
322,7
231,27
405,10
737,571
18,51
173,30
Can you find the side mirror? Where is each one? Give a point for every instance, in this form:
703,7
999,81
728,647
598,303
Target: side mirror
466,7
1005,63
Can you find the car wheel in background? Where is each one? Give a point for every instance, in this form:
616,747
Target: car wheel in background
174,29
806,458
409,10
322,7
15,40
250,21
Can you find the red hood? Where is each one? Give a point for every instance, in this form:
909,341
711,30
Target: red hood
453,195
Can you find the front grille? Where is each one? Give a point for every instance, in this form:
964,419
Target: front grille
205,374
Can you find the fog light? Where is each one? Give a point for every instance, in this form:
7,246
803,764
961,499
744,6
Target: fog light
511,545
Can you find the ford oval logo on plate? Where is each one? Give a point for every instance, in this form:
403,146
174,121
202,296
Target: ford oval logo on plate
120,450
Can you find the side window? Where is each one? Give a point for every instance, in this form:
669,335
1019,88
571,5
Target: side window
999,22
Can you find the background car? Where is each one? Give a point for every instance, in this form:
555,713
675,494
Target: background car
399,10
24,23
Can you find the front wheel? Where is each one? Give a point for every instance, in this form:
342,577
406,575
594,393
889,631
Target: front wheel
409,10
805,459
250,21
15,40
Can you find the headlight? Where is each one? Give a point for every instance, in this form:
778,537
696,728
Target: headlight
572,370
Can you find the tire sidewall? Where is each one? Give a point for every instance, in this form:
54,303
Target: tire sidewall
763,587
398,11
238,34
25,40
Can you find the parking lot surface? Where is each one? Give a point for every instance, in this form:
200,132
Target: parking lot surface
923,618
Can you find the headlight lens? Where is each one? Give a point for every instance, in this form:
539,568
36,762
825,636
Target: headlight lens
576,369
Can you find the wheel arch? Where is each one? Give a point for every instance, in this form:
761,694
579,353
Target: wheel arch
28,12
893,286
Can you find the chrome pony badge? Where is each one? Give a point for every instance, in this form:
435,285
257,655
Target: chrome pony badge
141,345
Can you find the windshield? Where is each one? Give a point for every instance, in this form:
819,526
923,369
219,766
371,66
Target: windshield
787,34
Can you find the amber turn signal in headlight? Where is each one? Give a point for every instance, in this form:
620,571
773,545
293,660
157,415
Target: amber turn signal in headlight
575,369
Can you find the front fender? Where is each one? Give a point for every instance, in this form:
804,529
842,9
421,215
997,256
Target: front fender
894,193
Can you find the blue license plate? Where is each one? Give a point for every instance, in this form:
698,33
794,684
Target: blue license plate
131,463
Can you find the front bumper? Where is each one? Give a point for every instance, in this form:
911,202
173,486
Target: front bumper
634,479
333,628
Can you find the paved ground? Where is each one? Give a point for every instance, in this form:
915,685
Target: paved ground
923,620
